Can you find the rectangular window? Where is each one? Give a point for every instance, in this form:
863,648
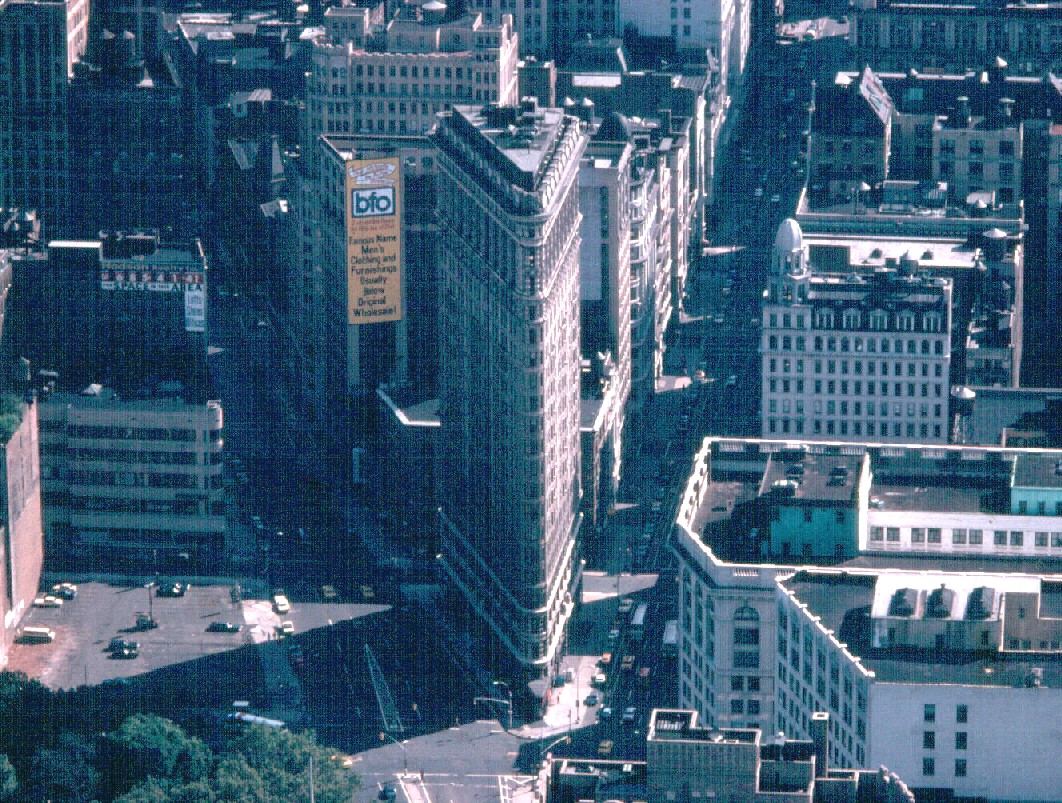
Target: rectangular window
960,740
999,538
929,740
747,660
962,714
960,768
975,538
893,534
934,535
958,536
929,767
918,535
747,635
1017,538
929,713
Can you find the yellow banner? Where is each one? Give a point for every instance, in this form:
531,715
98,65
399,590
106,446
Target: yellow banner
374,240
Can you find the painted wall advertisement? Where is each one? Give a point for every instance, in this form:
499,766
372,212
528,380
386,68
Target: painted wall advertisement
374,240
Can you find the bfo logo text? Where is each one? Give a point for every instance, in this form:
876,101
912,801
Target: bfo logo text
372,203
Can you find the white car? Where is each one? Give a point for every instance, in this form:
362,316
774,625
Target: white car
48,601
281,604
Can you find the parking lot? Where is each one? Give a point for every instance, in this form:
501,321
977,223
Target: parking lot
181,653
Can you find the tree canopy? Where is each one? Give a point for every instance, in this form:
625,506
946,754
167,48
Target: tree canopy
62,754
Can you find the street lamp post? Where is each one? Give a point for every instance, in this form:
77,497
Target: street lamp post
509,697
566,739
384,736
507,703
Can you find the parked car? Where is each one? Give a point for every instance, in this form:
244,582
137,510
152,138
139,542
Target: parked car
605,712
367,593
328,593
126,653
591,699
281,604
48,601
224,627
119,643
286,628
65,591
630,713
605,748
171,588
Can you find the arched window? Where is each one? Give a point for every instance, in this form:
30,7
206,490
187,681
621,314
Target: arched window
746,614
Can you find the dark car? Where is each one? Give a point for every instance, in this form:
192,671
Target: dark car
67,591
171,588
126,653
119,643
224,627
386,793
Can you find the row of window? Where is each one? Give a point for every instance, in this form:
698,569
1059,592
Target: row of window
830,387
929,767
977,170
844,345
131,433
130,479
845,408
877,320
964,537
871,429
856,367
179,507
976,147
183,458
929,740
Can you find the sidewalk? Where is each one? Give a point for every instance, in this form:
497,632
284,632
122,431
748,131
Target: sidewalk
566,711
283,693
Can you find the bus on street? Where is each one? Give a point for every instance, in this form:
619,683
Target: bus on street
638,621
669,647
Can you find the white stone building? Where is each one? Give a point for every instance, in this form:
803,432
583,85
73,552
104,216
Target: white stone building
943,667
853,356
394,77
509,326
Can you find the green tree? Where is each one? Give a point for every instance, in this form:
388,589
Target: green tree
236,780
282,759
8,779
65,772
148,745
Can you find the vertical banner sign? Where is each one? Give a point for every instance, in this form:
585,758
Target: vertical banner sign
195,308
374,240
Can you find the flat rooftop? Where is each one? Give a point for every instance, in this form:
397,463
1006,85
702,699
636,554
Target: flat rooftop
870,252
957,480
1038,471
812,478
526,140
844,603
937,498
